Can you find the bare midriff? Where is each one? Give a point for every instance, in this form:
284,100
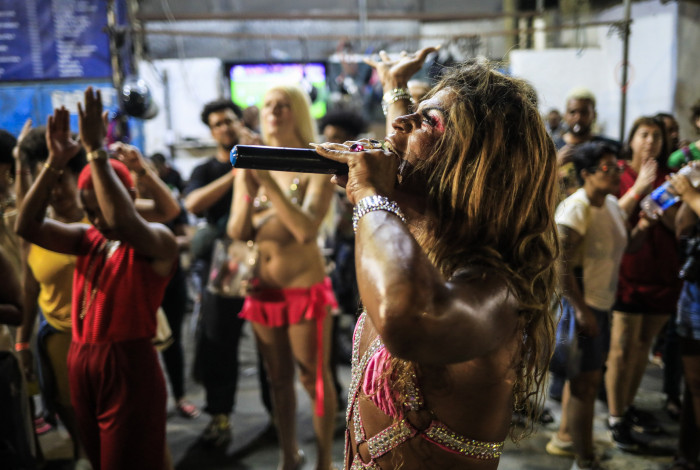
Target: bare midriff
285,262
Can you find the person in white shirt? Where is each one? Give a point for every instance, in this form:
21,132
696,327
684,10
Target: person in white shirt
593,233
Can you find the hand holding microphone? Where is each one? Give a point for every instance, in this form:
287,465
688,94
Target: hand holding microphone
367,171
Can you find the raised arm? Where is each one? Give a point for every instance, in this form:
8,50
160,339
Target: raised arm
162,205
32,224
420,315
114,200
394,76
23,174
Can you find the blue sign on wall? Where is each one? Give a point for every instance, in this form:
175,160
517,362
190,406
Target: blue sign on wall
37,101
53,39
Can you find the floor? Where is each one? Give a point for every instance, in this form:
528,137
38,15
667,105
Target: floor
254,447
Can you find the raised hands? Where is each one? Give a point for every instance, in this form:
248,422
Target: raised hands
396,73
62,146
22,135
92,121
129,156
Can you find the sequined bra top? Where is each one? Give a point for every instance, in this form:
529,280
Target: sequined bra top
401,430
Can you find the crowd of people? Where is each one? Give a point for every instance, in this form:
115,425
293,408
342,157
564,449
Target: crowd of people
473,242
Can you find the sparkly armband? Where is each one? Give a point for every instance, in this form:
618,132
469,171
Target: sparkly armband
391,97
375,203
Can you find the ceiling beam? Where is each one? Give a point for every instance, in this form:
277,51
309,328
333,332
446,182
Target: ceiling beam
340,16
372,37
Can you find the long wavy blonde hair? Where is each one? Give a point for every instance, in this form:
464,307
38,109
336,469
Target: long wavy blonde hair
492,186
300,105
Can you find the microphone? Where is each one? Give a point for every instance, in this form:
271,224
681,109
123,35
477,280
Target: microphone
259,157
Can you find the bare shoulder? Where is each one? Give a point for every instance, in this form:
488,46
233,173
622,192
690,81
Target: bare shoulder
485,288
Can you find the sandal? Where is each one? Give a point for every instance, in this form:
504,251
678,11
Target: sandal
41,426
187,409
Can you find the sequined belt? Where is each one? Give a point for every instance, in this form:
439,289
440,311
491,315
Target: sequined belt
449,440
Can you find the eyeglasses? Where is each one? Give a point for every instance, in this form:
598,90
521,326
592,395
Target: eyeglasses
618,167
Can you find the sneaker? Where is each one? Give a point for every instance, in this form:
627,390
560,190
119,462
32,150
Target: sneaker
643,422
621,434
218,432
556,446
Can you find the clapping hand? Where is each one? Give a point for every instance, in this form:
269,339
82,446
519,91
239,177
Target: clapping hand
647,175
62,146
92,121
129,156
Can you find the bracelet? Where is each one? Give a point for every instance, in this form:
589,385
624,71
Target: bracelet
52,169
247,198
391,97
99,154
22,346
634,194
374,203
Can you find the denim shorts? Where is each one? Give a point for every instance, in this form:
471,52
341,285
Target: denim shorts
688,318
594,351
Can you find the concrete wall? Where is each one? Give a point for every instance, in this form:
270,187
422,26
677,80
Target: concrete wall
688,85
190,84
652,73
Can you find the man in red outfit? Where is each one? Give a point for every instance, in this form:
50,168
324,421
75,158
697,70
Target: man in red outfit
123,266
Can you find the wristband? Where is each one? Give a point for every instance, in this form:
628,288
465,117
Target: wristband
53,170
22,346
247,198
374,203
634,194
99,154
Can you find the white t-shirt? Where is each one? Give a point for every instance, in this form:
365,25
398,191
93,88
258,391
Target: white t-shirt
604,241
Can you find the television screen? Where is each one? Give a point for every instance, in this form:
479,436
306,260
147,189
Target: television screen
249,82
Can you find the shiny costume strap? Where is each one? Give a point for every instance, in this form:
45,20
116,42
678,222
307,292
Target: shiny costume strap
449,440
401,431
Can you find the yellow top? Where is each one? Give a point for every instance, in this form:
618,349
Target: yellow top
54,272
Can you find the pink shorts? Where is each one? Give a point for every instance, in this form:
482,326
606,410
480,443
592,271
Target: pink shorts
281,307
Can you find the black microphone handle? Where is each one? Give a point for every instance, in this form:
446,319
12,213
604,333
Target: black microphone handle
259,157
